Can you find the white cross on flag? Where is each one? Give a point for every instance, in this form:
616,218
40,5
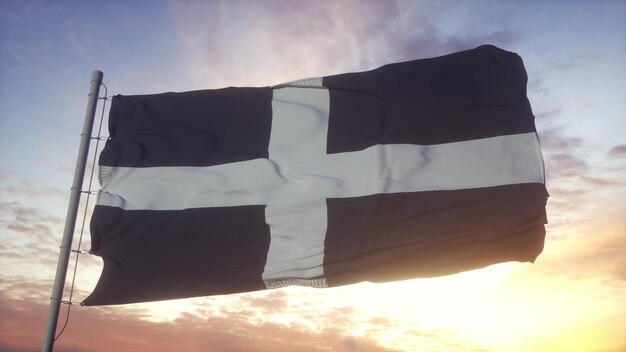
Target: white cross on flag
415,169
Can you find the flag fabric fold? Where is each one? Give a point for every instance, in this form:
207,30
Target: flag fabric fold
415,169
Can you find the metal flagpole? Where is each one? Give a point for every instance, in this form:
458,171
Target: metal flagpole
72,211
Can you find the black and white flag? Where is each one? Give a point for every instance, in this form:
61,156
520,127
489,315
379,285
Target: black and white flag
414,169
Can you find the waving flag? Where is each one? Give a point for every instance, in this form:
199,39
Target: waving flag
414,169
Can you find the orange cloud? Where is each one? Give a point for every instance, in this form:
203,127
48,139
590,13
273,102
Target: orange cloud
105,329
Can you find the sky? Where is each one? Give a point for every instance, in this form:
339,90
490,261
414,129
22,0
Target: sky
573,298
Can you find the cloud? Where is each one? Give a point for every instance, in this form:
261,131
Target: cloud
569,157
565,155
618,151
567,165
230,46
556,139
603,182
30,247
253,322
106,329
576,60
33,222
274,302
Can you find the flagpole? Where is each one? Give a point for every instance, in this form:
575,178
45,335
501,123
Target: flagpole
72,212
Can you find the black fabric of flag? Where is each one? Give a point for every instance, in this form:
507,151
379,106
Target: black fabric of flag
415,169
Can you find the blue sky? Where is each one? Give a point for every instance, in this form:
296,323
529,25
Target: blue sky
574,52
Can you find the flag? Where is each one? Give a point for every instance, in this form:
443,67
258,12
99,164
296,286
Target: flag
415,169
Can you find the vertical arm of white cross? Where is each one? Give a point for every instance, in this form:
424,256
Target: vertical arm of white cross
297,215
